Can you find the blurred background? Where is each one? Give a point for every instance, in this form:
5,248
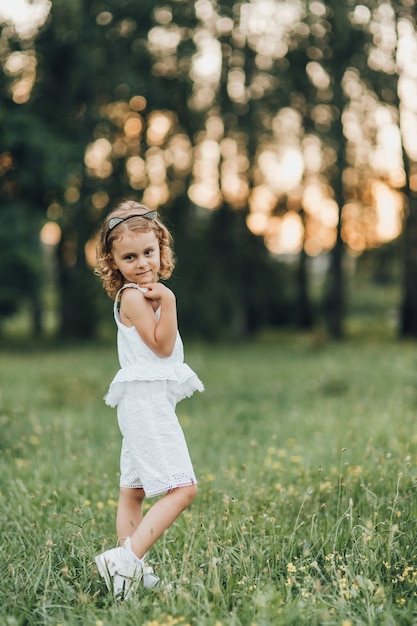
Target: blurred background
277,139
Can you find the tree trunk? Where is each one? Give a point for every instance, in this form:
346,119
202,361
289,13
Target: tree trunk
78,310
304,309
36,316
408,320
334,298
343,45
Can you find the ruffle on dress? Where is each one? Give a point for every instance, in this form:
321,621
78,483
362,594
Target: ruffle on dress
181,378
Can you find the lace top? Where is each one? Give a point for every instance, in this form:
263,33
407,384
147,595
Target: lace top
138,362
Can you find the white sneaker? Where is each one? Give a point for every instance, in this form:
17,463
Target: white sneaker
121,570
150,579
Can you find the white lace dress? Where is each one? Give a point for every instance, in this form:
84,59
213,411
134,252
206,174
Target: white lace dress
146,390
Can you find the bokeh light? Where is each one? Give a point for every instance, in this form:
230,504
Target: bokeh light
50,234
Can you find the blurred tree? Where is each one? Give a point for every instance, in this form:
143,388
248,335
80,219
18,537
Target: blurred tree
133,126
237,96
226,116
406,19
347,59
331,49
79,69
340,44
227,285
408,323
24,170
95,79
272,95
392,74
243,287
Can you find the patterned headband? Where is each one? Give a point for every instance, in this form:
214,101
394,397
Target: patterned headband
115,221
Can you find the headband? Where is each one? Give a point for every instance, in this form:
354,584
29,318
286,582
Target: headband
115,221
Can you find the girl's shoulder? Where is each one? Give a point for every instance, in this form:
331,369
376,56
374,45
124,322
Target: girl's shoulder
130,286
129,294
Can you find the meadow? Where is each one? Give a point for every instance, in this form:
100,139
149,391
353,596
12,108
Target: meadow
306,455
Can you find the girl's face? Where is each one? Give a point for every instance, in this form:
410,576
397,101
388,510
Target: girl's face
136,255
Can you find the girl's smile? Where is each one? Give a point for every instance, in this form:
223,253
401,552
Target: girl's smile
136,255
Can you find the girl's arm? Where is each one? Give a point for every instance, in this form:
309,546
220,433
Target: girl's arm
137,310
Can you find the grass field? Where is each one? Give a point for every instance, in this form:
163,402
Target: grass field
306,455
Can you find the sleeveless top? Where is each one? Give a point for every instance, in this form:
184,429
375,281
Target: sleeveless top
139,363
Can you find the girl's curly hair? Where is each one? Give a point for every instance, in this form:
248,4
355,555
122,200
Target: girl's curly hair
111,278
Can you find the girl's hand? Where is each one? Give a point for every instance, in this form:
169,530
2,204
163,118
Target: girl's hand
158,291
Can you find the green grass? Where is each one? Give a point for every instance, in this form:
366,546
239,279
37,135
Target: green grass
306,455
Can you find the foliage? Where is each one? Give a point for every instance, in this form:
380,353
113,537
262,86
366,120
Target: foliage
21,266
232,287
306,510
124,99
24,168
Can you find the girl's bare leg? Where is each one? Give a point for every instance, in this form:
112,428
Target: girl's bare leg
160,517
129,512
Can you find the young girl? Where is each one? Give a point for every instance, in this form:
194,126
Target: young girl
133,252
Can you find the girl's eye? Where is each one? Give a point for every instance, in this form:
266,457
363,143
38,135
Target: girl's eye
149,251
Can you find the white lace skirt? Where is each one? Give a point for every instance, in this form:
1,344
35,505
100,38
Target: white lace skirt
154,453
